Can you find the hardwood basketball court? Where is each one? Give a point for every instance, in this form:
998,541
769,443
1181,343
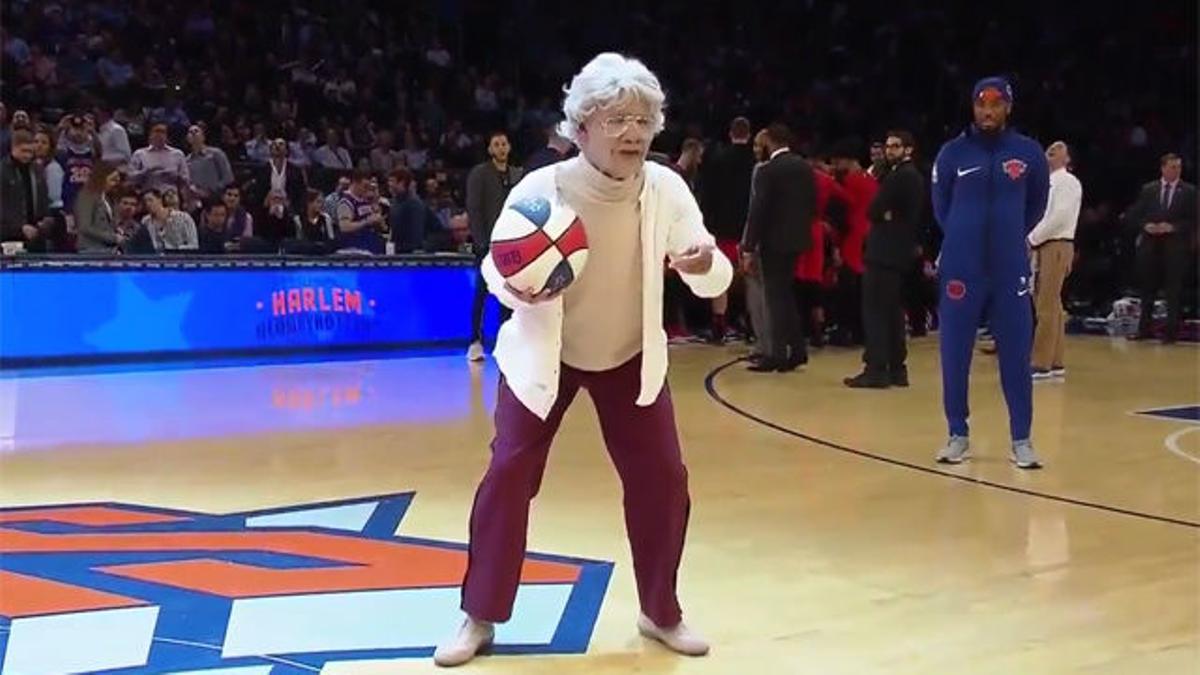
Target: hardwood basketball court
823,538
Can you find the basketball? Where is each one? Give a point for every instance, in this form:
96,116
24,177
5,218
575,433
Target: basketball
539,246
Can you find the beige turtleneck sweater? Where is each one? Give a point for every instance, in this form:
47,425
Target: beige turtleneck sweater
602,309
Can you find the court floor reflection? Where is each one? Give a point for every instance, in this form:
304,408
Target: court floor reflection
135,407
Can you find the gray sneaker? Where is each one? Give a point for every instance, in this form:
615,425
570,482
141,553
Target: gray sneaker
1024,456
957,449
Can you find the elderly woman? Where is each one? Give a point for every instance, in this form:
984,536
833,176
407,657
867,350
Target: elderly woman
603,334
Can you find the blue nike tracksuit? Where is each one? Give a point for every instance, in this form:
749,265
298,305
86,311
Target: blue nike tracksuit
989,190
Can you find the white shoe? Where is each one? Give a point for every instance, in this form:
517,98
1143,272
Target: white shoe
956,450
475,352
1059,372
473,637
1024,456
680,638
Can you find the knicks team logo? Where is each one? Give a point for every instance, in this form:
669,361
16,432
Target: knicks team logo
956,290
129,589
1014,168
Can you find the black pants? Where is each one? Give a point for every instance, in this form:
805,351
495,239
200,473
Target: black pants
479,304
810,296
920,298
883,319
787,330
849,307
1162,263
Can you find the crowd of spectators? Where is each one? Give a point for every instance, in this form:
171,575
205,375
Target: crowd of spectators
420,85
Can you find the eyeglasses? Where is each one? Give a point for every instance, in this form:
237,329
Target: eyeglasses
619,124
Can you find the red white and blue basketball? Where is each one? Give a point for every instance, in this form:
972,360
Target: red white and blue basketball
539,245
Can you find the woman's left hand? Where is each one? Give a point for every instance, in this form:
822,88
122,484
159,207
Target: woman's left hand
695,260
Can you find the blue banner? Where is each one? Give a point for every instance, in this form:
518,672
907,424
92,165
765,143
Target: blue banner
96,315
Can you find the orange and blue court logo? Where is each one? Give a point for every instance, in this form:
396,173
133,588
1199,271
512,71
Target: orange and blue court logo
129,589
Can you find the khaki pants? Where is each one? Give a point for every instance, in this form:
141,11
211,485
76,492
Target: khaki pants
1053,261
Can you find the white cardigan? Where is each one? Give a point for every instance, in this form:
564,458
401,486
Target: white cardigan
529,345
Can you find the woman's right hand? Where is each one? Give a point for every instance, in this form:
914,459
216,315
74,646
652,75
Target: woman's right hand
531,298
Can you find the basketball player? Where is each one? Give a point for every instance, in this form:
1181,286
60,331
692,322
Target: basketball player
990,187
725,194
603,333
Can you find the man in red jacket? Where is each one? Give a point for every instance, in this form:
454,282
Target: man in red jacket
810,268
860,188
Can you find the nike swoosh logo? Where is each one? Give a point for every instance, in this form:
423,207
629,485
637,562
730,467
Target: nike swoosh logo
965,172
1023,291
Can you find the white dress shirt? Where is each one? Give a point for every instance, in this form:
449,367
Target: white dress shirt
332,158
161,167
529,346
279,177
1166,192
114,143
1062,210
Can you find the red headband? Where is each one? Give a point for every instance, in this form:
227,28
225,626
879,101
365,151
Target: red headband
991,94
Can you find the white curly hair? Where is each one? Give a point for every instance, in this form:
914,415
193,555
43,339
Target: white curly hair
609,80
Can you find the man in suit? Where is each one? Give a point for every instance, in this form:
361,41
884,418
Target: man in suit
891,253
1165,218
24,199
279,174
778,230
751,267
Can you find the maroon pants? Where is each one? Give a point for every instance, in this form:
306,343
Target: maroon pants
644,447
